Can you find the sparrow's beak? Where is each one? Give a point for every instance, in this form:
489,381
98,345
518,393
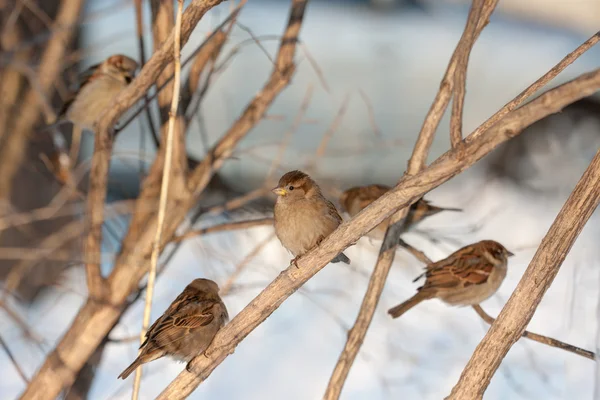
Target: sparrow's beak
279,191
509,254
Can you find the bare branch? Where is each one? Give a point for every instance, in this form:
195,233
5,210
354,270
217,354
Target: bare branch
440,103
538,277
540,338
139,30
230,226
462,53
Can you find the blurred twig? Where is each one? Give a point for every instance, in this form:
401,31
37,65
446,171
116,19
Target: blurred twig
231,226
139,30
10,355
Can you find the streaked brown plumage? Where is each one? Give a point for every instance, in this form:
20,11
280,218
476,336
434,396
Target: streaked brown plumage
357,198
466,277
303,216
186,328
100,84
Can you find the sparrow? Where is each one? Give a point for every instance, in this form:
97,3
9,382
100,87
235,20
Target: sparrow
186,328
303,216
465,278
99,85
355,199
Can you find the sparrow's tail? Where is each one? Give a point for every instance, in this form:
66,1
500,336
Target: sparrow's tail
400,309
435,210
131,368
341,257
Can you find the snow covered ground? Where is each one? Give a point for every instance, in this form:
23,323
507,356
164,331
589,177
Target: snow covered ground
397,59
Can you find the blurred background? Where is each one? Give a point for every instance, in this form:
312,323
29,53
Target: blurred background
377,66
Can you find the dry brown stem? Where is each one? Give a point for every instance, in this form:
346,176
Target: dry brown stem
540,338
462,53
418,158
139,31
230,226
538,277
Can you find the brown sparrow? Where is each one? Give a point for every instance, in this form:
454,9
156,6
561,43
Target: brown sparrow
303,216
466,277
186,328
99,85
355,199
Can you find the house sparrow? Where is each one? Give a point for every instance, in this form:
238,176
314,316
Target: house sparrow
303,217
186,328
99,85
355,199
466,277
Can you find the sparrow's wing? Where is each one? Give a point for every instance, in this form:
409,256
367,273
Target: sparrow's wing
83,79
463,269
171,328
332,212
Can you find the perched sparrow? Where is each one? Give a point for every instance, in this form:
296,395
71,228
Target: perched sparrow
303,217
355,199
100,84
467,277
186,328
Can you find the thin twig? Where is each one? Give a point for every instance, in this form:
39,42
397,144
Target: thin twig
540,338
242,264
139,30
432,120
230,226
12,358
371,111
538,84
163,190
462,53
329,134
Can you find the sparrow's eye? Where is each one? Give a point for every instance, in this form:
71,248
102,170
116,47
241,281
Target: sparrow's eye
290,187
128,79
